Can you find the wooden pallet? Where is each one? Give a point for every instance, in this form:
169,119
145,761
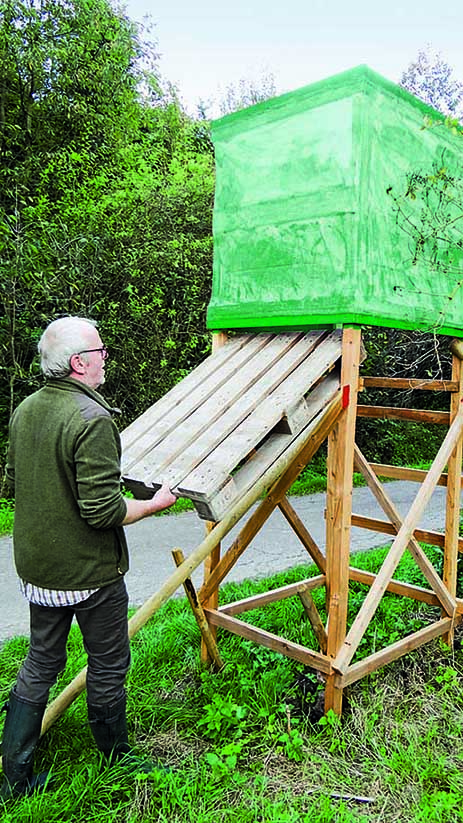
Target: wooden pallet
215,433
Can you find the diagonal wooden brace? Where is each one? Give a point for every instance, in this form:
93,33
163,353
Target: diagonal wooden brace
314,618
372,600
198,612
303,534
447,601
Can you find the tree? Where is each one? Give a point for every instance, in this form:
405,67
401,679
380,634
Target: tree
106,191
246,92
430,78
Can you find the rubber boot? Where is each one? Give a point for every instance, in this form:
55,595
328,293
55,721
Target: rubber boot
20,737
109,728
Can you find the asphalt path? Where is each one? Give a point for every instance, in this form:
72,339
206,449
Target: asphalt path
274,549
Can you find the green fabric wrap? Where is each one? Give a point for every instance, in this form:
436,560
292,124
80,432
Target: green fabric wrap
306,225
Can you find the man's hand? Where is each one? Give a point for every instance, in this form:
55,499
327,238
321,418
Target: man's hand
163,499
138,509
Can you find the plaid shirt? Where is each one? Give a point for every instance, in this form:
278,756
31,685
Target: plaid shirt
51,597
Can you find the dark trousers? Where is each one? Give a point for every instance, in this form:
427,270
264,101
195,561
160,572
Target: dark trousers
102,619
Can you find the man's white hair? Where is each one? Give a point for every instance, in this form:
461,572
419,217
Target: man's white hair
61,339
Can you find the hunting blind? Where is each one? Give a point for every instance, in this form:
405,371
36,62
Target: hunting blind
313,208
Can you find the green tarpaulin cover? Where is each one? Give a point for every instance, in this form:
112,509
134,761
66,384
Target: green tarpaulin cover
306,225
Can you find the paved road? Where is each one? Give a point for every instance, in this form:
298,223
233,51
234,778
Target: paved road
275,548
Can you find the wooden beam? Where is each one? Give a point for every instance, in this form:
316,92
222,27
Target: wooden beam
398,547
396,587
447,601
270,641
394,413
206,633
257,601
339,510
385,527
406,383
303,533
452,509
401,473
395,650
314,618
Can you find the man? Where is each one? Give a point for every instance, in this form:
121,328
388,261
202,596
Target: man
69,545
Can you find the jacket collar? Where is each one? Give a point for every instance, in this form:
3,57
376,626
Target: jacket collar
69,384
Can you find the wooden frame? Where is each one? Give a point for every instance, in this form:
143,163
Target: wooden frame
336,421
337,646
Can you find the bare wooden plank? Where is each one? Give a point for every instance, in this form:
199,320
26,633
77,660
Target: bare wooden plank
213,471
447,601
285,470
394,413
211,372
339,510
216,394
400,473
409,383
181,450
257,601
271,641
385,527
395,587
200,617
398,547
314,618
303,534
230,364
395,650
262,458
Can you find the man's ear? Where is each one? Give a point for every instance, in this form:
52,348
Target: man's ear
76,365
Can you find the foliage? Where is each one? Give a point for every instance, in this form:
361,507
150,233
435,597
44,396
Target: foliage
430,78
105,204
246,92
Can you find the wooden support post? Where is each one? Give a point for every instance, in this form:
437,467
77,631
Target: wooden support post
208,638
212,602
339,510
452,513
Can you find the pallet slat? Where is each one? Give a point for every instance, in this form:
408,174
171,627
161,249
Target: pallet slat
177,453
218,499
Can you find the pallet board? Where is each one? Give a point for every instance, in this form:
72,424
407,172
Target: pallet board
218,430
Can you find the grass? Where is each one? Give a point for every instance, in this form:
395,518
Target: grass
248,745
6,516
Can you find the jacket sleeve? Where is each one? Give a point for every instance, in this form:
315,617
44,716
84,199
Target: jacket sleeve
97,465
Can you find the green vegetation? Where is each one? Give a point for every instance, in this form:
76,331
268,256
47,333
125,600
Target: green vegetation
248,744
106,190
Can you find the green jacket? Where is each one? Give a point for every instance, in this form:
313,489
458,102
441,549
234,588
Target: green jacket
64,468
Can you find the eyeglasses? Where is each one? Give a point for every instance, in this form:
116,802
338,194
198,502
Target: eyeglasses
103,351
